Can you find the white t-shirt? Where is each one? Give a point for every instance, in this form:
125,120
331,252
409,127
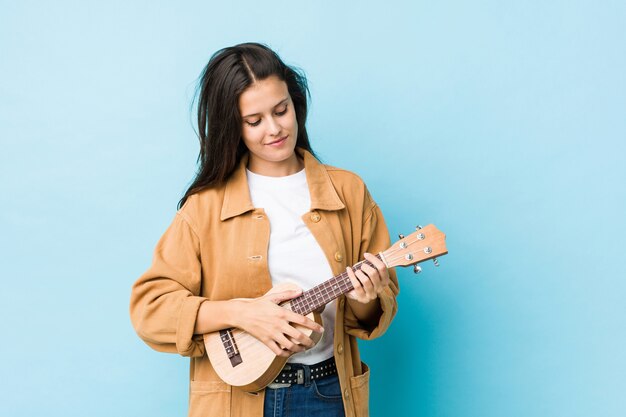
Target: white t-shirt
293,254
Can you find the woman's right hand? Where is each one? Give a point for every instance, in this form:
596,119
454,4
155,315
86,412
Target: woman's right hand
272,324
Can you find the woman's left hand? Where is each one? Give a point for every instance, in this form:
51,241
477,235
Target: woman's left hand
369,281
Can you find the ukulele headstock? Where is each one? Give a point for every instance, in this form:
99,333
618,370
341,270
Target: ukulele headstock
425,243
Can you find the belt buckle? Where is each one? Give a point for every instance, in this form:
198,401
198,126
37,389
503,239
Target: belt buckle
300,376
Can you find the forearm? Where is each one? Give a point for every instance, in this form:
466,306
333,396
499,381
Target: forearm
216,315
261,317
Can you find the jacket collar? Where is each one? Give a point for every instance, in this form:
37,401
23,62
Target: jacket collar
323,194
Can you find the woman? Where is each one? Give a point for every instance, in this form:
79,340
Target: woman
261,211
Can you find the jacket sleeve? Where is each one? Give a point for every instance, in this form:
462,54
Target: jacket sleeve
374,239
165,300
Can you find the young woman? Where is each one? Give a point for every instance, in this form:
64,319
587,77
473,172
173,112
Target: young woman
261,211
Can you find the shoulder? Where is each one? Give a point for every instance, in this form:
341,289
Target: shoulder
350,187
200,207
343,176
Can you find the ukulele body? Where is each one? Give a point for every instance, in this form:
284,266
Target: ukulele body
241,360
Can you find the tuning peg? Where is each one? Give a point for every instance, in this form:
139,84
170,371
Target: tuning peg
436,261
400,236
417,269
418,227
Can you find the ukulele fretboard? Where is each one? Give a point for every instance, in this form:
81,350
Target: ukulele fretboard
325,292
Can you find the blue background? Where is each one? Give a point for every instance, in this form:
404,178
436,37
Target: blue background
502,122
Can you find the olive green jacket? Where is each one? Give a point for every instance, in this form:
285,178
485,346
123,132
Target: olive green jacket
216,249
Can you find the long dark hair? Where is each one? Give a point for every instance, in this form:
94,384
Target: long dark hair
229,73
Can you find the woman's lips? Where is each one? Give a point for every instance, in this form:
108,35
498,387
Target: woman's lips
278,142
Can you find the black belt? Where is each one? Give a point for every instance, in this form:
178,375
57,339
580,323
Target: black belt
296,373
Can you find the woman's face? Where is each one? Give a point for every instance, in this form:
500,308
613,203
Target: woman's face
270,128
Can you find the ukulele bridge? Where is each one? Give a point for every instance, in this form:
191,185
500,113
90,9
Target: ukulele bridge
230,346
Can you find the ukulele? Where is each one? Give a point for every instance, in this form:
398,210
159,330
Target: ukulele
243,361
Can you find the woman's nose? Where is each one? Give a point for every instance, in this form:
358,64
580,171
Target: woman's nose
273,128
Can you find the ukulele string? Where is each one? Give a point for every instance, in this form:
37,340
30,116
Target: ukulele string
391,252
243,339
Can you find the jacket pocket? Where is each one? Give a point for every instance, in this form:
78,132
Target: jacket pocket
359,386
209,399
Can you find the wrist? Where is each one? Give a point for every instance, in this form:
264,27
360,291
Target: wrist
217,315
232,313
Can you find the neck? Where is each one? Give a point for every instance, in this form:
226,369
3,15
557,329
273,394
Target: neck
289,166
325,292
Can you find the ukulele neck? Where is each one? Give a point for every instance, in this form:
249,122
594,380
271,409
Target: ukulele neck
325,292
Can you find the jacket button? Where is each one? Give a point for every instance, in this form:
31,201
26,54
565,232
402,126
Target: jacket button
341,302
346,393
315,217
338,256
340,348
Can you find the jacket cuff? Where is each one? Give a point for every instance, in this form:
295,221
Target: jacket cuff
186,344
389,307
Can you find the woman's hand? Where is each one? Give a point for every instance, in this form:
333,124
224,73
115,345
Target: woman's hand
264,319
369,281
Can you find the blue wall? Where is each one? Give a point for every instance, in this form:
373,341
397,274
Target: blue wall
501,122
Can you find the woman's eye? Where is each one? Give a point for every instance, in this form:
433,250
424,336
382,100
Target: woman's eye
280,113
254,123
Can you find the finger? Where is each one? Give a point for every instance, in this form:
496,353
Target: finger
287,344
367,268
380,266
374,260
298,337
372,275
383,271
368,285
303,321
276,349
306,344
377,263
358,292
284,295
